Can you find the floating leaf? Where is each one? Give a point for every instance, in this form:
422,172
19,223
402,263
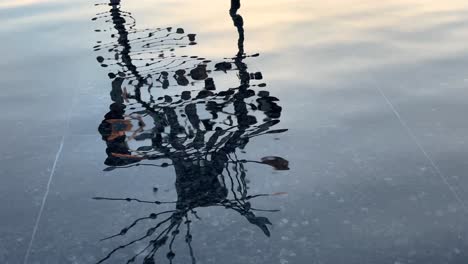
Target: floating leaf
119,155
277,163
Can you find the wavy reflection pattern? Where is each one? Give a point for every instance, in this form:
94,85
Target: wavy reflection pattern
197,126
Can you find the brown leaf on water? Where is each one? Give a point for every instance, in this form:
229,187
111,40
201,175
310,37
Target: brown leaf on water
126,156
277,163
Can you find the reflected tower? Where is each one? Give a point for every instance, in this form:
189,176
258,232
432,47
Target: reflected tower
168,110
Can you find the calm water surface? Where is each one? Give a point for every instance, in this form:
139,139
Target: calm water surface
212,132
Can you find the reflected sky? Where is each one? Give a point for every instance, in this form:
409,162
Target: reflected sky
339,36
373,94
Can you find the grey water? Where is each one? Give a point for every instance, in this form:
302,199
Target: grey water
288,132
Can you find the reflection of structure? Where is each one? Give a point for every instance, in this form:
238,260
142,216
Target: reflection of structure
201,149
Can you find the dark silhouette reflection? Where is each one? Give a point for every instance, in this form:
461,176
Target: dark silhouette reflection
192,125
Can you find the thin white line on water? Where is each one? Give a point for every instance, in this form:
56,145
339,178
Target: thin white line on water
51,176
41,210
424,152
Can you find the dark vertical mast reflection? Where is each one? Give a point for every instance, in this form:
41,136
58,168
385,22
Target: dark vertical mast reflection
203,151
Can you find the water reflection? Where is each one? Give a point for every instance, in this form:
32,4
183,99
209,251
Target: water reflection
196,124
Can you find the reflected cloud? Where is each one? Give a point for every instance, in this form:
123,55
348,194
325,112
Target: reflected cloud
8,4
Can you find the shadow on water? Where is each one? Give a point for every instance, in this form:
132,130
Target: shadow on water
196,127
